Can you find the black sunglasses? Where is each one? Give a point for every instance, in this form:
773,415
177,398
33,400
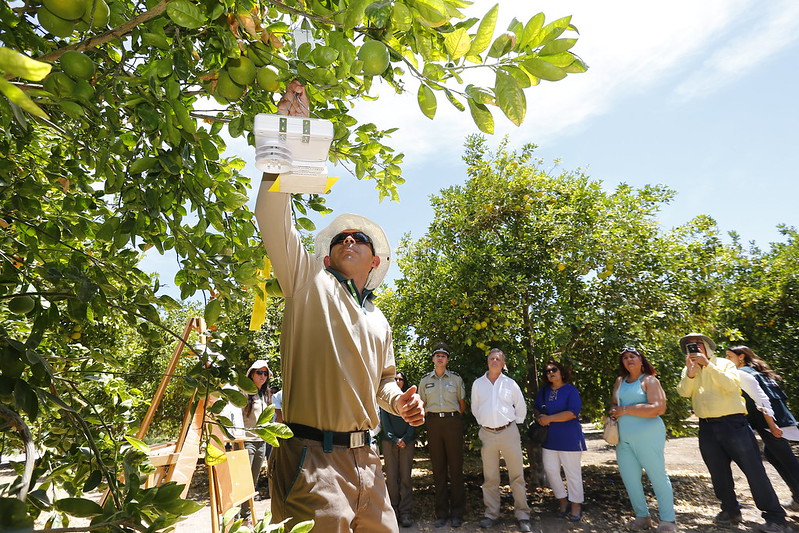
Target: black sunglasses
551,370
399,379
262,372
357,236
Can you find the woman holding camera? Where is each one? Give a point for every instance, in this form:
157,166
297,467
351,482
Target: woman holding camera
769,415
558,405
638,402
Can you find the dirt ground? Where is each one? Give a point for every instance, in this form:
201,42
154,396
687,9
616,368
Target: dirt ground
606,507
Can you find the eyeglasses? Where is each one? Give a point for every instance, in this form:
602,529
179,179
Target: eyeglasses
262,372
629,349
550,370
358,236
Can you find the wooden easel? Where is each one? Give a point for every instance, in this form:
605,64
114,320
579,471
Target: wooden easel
228,485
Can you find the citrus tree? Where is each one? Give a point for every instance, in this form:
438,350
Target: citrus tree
554,266
113,115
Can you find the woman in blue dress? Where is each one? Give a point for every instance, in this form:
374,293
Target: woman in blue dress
638,402
557,406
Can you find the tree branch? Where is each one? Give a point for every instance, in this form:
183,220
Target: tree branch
115,33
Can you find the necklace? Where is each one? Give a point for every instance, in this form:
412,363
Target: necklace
553,394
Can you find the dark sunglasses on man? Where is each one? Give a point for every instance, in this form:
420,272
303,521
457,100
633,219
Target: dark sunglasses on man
358,236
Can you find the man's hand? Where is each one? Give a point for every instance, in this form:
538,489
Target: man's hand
411,407
294,102
690,365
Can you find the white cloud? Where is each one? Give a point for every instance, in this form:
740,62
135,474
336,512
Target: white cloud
770,28
628,45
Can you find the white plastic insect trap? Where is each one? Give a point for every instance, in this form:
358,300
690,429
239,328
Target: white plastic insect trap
296,148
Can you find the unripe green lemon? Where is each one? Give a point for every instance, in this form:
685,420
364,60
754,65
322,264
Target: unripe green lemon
66,9
54,24
375,57
21,305
83,90
59,84
227,88
273,288
77,65
241,70
267,79
101,12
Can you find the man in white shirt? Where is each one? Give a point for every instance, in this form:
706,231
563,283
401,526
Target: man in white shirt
498,405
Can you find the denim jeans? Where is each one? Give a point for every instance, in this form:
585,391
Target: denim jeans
778,452
729,438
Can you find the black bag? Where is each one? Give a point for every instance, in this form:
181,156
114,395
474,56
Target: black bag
537,433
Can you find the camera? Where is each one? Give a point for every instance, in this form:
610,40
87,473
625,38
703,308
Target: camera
692,347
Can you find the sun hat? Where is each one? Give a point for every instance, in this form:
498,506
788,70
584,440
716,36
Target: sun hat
375,232
707,340
260,363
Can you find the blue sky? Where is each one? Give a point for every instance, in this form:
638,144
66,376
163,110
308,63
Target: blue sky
699,96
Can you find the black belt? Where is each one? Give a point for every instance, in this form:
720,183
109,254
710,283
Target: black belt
497,430
722,418
350,439
445,413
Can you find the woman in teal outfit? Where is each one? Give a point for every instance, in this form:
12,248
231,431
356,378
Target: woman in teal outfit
638,402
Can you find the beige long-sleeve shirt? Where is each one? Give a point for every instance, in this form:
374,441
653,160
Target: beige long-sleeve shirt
337,358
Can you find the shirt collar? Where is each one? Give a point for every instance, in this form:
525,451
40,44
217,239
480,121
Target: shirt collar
349,284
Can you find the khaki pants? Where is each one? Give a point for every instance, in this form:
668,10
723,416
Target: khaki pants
341,491
507,444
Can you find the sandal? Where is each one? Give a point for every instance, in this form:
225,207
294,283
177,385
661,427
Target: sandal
562,514
667,527
575,517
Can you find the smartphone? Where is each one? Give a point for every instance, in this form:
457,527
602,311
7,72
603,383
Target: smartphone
692,347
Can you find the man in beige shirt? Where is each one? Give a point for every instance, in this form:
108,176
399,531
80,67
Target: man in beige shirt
337,364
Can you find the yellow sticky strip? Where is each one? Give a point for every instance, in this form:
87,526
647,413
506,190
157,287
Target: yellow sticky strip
331,180
258,316
275,186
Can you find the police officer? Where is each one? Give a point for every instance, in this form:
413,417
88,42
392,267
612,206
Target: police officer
444,395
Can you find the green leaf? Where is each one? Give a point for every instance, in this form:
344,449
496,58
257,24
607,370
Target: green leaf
427,101
484,32
510,98
214,456
303,527
93,481
354,13
561,60
432,13
531,30
557,46
18,96
306,223
25,398
502,45
14,515
142,164
138,444
543,69
186,14
78,507
552,31
454,101
481,116
235,397
458,43
22,66
266,415
212,312
246,384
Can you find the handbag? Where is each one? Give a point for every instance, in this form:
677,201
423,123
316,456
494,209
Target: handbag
537,433
611,431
